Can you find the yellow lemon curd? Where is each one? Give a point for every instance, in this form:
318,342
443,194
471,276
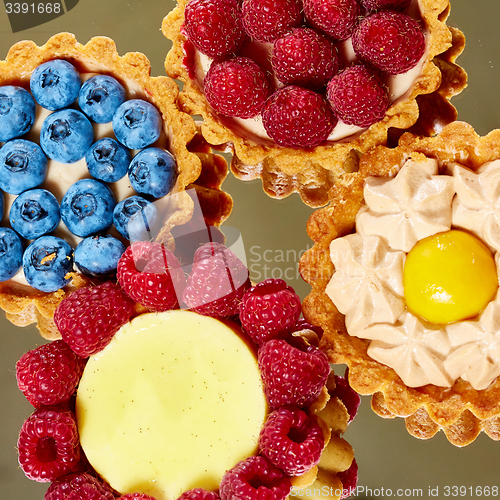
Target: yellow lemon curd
170,404
449,277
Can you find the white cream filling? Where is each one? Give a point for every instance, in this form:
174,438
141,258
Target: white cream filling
367,283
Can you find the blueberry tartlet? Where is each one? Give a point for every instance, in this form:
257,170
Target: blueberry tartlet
296,89
414,237
94,154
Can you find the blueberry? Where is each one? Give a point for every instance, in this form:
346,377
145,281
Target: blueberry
17,112
34,213
55,84
107,160
46,263
66,135
23,165
137,124
135,218
98,256
100,97
11,253
87,207
152,172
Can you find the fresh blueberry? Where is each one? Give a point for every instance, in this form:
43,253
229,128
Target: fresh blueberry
135,218
87,207
55,84
23,165
98,256
137,124
1,205
17,112
152,172
100,97
107,160
47,262
11,253
34,213
66,135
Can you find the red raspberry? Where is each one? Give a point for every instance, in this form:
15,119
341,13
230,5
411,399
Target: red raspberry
358,96
214,26
291,376
48,445
292,441
373,5
298,117
151,275
269,310
81,486
217,282
136,496
199,494
237,87
254,478
347,395
349,479
336,18
390,41
89,317
267,20
49,374
304,57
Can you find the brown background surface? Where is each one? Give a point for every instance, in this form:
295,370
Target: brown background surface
274,236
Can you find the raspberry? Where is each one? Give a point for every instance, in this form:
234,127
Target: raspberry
199,494
136,496
237,87
267,20
49,374
304,57
81,486
151,275
349,479
48,445
373,5
89,317
292,441
254,478
292,377
214,27
390,41
298,117
336,18
269,310
217,282
358,96
347,395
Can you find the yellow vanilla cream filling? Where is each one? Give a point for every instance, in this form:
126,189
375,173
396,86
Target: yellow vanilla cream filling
170,404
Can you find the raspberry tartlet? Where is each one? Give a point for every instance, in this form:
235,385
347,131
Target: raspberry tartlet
160,400
89,139
272,81
413,235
